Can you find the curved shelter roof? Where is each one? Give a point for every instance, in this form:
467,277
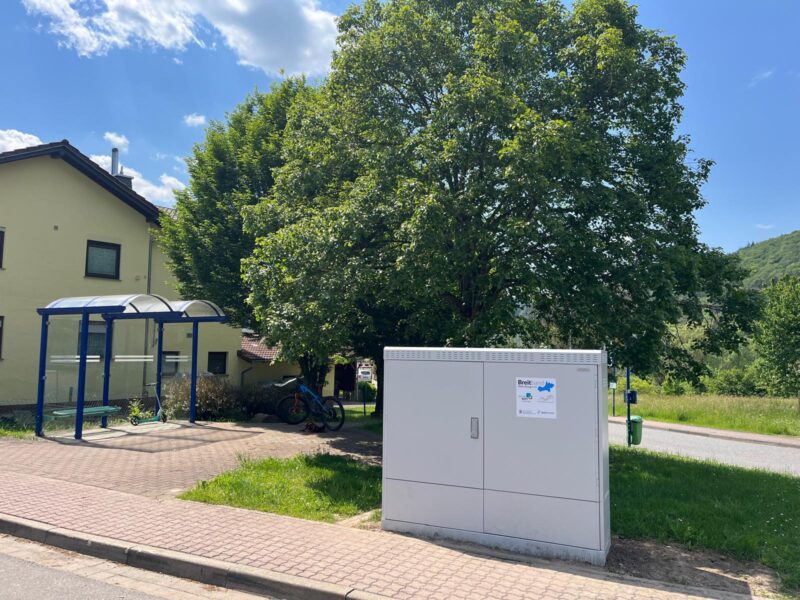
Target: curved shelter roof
129,303
197,308
132,306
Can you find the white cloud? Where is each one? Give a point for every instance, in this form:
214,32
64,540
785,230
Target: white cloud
162,193
763,226
293,35
194,120
117,140
177,60
181,162
11,139
762,76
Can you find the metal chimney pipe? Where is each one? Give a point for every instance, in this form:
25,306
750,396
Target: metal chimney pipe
114,161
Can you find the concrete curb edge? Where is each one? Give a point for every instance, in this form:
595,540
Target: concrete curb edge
180,564
720,434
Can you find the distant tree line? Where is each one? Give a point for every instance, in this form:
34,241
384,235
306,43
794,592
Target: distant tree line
768,261
767,363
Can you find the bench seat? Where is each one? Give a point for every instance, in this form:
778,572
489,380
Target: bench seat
97,411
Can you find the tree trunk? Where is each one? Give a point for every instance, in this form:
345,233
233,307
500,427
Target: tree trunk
379,372
314,370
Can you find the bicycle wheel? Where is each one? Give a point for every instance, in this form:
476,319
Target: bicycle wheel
333,413
292,409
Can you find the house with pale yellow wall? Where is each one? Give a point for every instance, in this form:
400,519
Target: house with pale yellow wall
68,227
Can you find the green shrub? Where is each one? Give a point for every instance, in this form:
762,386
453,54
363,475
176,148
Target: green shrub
367,391
136,409
735,382
261,398
216,399
643,386
673,387
637,383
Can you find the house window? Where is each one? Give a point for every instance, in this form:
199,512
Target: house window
102,259
169,363
96,342
2,245
218,363
2,322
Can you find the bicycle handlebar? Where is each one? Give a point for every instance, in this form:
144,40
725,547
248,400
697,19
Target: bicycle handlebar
298,379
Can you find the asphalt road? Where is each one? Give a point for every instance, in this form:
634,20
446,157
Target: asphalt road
31,571
23,580
742,454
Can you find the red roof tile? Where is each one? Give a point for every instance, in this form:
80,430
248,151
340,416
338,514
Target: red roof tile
254,350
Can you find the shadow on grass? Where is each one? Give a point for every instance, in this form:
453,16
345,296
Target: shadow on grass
346,481
748,514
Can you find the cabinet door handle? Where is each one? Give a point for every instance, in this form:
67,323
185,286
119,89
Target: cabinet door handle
473,428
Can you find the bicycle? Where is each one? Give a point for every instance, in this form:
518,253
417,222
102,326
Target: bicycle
296,408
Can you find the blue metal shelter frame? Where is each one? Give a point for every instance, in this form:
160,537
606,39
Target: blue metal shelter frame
111,309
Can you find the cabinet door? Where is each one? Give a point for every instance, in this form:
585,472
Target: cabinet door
429,407
530,451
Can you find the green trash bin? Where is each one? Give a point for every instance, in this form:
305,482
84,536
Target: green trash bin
636,430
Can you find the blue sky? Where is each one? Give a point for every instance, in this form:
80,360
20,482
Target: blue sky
149,74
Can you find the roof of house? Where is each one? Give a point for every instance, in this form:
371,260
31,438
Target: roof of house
72,156
254,350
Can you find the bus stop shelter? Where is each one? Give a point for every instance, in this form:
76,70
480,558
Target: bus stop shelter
111,309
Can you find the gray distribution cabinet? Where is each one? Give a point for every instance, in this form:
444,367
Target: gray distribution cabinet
507,448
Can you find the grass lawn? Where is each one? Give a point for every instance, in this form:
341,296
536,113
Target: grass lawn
57,426
740,413
17,431
354,413
752,515
322,487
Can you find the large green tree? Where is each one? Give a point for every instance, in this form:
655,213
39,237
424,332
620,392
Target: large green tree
778,338
494,172
230,170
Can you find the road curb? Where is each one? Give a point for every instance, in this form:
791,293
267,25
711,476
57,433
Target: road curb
180,564
721,434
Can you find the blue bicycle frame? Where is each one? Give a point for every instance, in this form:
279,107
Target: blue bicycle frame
318,405
331,412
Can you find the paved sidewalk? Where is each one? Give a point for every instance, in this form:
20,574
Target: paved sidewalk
375,562
160,461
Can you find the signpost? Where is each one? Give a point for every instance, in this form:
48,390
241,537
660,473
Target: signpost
614,391
627,401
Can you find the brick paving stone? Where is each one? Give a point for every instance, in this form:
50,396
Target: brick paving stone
163,460
444,572
113,482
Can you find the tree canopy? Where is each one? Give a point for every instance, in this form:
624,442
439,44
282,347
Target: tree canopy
778,338
231,169
490,172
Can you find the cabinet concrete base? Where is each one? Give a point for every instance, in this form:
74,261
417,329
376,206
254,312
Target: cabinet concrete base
523,546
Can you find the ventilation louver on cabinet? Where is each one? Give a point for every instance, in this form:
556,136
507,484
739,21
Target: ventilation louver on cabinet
585,357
